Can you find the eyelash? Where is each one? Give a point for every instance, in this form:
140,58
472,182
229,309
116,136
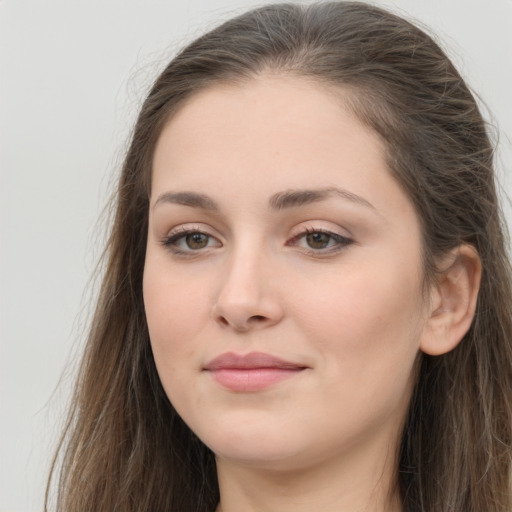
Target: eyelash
171,241
340,242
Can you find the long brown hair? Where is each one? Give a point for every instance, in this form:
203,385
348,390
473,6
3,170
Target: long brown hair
126,449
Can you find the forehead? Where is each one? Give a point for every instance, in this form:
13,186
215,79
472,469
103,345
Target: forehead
270,134
270,119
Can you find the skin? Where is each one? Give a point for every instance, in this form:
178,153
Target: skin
345,303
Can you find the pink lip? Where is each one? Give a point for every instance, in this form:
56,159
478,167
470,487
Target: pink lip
251,372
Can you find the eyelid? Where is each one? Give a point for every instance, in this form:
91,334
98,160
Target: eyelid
341,240
180,232
186,227
321,226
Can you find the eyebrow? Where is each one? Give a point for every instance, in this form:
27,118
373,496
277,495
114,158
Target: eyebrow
191,199
279,201
295,198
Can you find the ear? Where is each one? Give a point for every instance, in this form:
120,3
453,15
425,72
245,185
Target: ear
452,301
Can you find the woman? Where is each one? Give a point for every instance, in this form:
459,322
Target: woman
307,298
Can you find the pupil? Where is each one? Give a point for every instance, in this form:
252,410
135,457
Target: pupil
197,240
318,240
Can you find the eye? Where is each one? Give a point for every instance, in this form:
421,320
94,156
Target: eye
196,241
189,241
320,241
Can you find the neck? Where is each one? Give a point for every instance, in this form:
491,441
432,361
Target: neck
356,485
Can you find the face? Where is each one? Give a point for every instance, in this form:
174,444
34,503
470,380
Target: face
283,278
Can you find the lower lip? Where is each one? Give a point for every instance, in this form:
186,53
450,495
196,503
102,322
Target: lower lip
252,379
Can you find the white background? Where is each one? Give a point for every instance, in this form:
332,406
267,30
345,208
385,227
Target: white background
72,75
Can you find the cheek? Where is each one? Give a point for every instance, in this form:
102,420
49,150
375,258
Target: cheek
368,336
366,324
173,311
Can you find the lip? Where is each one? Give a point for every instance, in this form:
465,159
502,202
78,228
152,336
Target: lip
251,372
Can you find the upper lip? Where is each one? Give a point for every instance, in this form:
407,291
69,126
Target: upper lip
253,360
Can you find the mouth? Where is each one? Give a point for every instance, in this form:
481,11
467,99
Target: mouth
251,372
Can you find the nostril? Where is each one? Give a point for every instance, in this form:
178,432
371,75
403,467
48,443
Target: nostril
223,321
257,318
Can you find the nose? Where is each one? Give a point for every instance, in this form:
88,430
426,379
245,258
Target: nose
247,297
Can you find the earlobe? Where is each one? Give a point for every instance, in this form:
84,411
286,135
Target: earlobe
453,301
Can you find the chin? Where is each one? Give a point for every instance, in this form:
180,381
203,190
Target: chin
255,444
269,458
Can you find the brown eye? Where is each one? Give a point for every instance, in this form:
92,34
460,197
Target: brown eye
318,240
196,241
190,242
